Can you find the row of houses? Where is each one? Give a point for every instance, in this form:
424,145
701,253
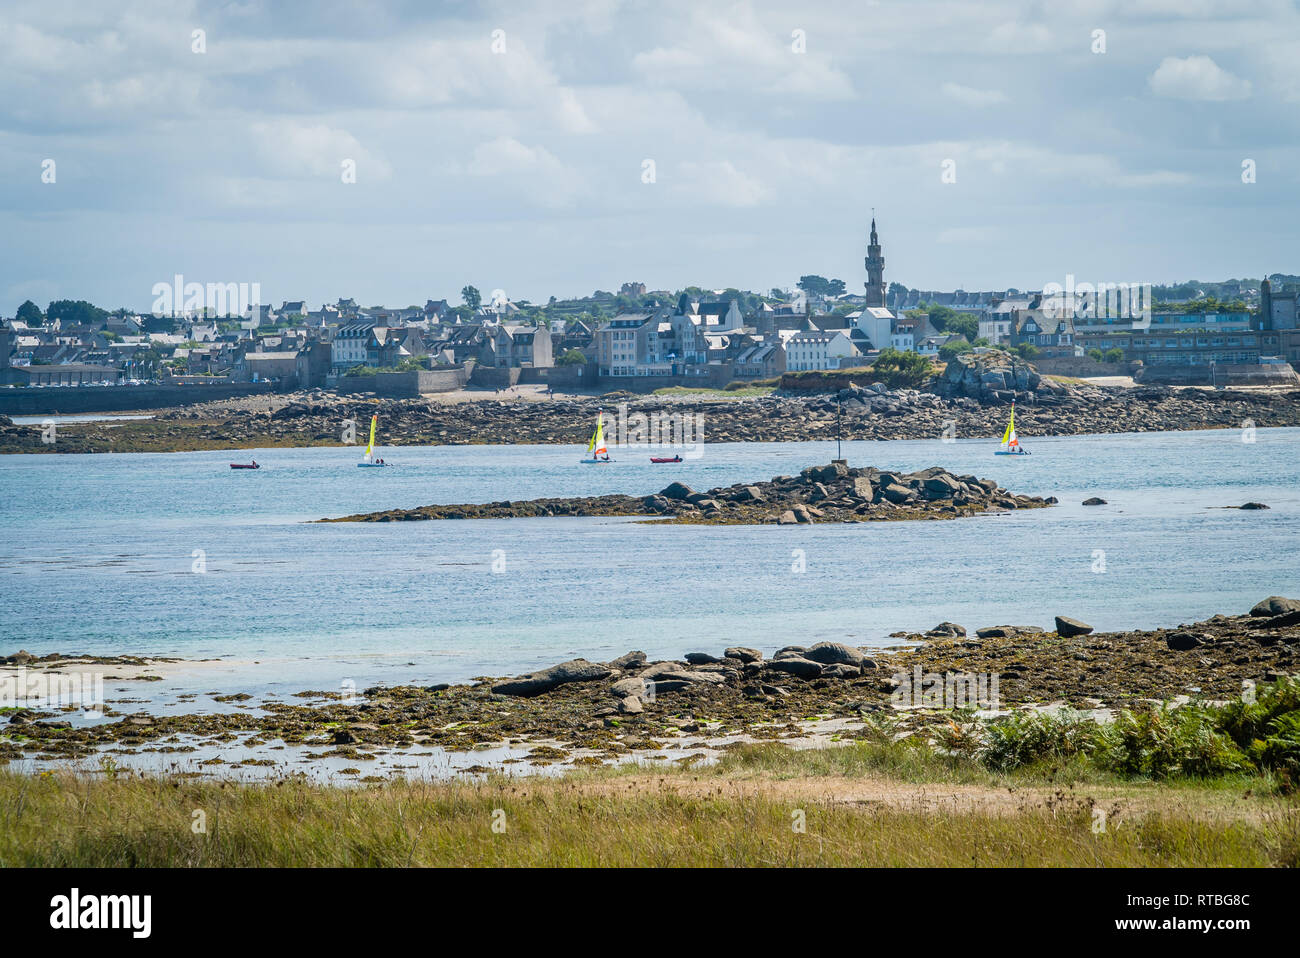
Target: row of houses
120,350
1164,337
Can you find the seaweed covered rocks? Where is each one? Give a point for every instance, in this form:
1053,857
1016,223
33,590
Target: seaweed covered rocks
829,493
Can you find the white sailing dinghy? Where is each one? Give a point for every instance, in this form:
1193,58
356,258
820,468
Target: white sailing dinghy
368,459
1010,445
596,451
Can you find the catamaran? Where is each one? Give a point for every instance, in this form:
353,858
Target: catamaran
1010,445
368,458
596,450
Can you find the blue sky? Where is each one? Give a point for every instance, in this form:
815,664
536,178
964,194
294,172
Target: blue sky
774,128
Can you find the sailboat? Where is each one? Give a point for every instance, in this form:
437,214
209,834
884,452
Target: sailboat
1010,445
596,450
368,459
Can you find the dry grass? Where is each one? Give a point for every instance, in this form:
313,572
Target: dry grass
743,813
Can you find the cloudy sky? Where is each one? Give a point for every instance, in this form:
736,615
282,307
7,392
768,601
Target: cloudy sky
554,148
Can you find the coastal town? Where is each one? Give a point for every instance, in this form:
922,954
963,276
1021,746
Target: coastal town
1239,332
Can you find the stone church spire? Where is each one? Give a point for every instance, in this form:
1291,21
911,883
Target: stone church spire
875,263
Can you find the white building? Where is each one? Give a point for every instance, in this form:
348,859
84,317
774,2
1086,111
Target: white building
877,324
816,349
349,346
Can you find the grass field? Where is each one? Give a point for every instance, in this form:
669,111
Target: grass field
865,804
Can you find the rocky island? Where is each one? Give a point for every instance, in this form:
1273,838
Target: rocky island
829,493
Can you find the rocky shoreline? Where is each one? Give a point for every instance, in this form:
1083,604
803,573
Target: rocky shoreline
829,493
582,712
856,412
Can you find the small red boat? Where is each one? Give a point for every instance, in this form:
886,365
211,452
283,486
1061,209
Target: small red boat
245,465
662,459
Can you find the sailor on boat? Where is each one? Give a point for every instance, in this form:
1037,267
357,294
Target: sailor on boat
1010,445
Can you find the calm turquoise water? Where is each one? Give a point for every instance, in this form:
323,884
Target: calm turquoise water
96,555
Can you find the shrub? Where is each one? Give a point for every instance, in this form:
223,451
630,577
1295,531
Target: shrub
1267,729
948,350
1163,742
897,369
572,357
1027,738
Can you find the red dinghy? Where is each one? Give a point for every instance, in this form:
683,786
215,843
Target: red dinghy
662,459
245,465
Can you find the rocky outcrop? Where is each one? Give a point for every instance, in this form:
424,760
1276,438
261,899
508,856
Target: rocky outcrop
1071,627
1183,640
536,683
1275,605
836,653
1068,659
841,494
1007,631
854,412
994,376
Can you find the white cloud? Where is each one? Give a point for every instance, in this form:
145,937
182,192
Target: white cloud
781,153
1197,78
738,50
969,96
293,149
717,183
529,171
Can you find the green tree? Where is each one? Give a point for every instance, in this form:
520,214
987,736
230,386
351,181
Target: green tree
963,324
572,357
30,314
815,285
75,312
948,350
898,369
1094,354
1027,350
472,298
948,320
1114,355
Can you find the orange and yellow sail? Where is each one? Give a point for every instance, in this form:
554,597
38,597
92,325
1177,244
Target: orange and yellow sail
596,447
1009,437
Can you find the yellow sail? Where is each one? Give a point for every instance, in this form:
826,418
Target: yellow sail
597,445
1011,426
374,420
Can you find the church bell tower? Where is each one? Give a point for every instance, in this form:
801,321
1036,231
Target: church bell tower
875,263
